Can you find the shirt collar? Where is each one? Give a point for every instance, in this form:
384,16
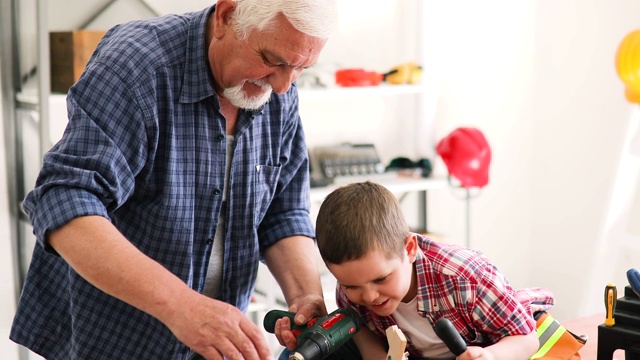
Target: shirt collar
426,303
197,83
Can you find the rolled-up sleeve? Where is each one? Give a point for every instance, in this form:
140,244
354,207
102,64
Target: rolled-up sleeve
92,169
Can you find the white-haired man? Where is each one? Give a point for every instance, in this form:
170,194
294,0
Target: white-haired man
182,166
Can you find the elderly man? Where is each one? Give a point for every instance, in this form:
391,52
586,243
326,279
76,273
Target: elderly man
183,164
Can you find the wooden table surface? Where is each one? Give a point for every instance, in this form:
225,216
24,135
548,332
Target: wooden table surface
589,326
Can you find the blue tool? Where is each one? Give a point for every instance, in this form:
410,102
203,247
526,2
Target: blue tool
634,280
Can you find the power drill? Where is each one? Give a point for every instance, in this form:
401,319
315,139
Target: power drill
320,336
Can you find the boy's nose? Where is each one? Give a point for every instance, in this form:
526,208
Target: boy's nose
369,295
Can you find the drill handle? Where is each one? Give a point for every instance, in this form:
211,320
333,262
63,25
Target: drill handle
272,316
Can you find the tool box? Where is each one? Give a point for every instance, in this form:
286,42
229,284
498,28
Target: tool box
625,334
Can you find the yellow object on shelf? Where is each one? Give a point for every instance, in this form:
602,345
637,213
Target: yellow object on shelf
628,65
408,73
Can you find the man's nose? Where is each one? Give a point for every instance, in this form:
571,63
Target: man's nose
282,78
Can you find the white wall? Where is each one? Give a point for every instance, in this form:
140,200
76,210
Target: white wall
582,118
482,53
538,77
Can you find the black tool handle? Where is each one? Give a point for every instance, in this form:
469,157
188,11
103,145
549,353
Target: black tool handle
272,316
450,336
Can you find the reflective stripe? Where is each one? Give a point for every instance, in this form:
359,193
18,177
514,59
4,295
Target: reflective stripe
549,331
548,334
543,327
549,344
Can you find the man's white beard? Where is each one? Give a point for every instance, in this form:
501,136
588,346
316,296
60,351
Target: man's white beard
239,98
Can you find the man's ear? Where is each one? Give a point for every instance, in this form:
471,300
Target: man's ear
222,17
411,246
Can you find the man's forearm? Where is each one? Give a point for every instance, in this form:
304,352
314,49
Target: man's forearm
97,251
292,261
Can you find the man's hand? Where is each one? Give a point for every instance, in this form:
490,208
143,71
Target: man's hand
306,308
98,252
215,329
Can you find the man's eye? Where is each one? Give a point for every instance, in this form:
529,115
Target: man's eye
270,63
266,61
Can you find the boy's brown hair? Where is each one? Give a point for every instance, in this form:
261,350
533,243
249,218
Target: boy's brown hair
359,218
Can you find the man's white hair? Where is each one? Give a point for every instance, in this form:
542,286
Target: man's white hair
317,18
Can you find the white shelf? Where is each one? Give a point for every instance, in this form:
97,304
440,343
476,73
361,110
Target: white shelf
382,89
392,181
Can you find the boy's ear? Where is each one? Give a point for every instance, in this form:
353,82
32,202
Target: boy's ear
411,246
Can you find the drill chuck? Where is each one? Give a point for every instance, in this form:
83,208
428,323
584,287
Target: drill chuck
314,345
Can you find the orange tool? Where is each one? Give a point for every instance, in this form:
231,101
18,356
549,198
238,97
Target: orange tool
610,298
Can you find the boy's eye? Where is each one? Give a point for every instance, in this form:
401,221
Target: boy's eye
380,280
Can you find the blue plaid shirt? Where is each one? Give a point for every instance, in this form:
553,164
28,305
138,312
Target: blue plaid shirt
145,147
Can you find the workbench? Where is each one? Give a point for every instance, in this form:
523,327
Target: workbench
589,326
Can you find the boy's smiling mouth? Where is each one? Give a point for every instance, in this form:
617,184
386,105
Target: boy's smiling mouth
379,305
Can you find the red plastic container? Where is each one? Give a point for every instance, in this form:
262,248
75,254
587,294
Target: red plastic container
358,77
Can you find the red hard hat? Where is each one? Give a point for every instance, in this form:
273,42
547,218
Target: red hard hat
467,155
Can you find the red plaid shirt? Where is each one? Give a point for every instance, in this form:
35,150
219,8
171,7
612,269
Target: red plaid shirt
463,286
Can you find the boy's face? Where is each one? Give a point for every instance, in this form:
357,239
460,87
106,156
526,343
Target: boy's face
377,282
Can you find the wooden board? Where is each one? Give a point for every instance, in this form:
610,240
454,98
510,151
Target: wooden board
70,52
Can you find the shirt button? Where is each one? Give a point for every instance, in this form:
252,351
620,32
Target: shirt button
216,192
220,137
209,241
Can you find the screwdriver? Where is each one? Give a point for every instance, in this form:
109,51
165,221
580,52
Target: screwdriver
610,298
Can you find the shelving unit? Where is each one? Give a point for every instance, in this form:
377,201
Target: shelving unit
383,89
396,183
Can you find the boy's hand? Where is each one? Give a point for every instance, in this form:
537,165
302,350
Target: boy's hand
306,308
476,353
283,333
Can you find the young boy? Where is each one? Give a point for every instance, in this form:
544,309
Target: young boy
392,276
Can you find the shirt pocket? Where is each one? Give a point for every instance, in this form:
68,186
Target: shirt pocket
266,181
